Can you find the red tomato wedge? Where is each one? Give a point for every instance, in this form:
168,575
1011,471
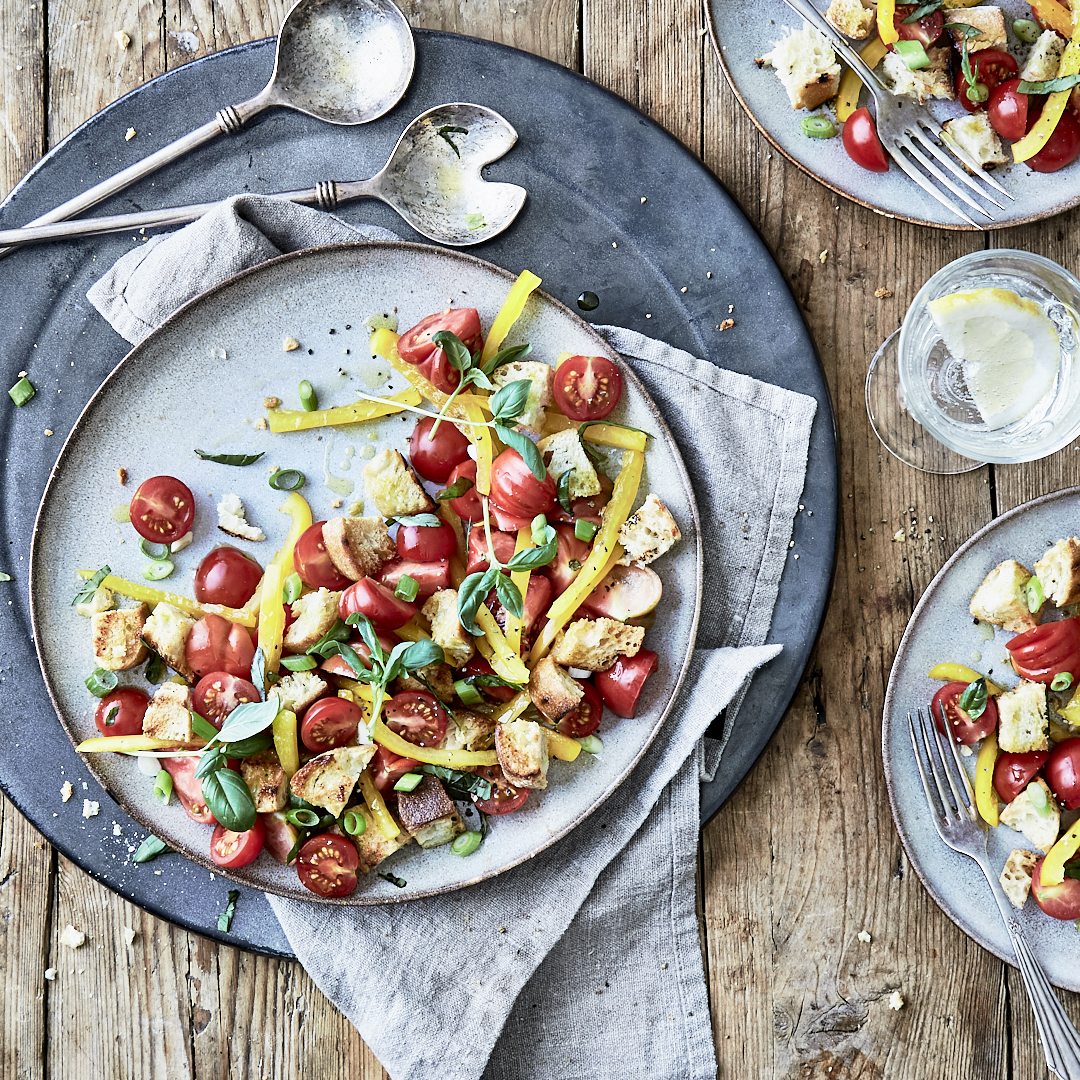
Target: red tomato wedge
233,849
585,718
416,347
215,644
504,798
1047,650
121,712
861,142
430,577
377,602
962,727
188,789
621,684
313,563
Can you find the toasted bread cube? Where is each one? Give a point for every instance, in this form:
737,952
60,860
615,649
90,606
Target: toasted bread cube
972,132
439,676
990,23
391,484
441,610
358,546
1041,829
648,532
1016,875
1058,572
1022,723
428,814
934,81
168,716
468,731
851,18
117,637
1045,58
232,519
102,600
806,67
541,379
315,614
553,691
372,846
1000,598
595,644
166,632
568,455
266,780
299,689
523,753
327,780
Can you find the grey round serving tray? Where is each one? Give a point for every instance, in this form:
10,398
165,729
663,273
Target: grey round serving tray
578,146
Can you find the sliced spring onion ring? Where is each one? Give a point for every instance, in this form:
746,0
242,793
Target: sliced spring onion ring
163,787
101,682
354,823
306,819
287,480
407,588
299,663
592,744
157,552
155,571
410,781
468,693
1062,681
466,843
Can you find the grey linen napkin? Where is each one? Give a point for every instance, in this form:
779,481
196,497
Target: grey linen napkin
586,960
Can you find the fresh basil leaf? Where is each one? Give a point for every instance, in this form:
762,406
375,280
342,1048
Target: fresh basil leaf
86,593
455,490
464,783
966,29
471,594
426,521
456,352
248,718
562,491
509,355
229,800
1072,869
399,882
492,680
150,848
973,699
258,672
245,748
476,377
422,653
509,596
525,447
203,728
154,672
224,920
395,664
922,11
350,656
1049,86
534,558
230,459
210,762
366,630
509,402
337,633
446,131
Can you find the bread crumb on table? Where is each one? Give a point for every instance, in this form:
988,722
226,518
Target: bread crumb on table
129,134
883,293
71,937
122,475
66,791
896,1002
864,937
90,808
122,39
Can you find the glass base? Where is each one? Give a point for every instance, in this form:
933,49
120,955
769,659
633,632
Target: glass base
897,429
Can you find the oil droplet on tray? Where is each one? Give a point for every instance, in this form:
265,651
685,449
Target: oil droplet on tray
588,301
121,513
976,656
339,485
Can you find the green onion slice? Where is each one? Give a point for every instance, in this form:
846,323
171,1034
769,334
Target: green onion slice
163,787
22,392
467,692
819,127
101,683
407,588
466,843
409,781
1033,593
292,590
308,400
1038,798
306,819
539,530
913,54
1062,681
584,530
157,552
155,571
354,823
299,663
287,480
592,744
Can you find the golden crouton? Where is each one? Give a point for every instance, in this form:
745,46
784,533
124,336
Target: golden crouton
541,378
595,644
1058,572
851,18
328,780
117,638
648,532
428,814
299,689
168,716
1016,876
314,614
1022,723
522,747
391,484
266,780
358,546
568,455
553,691
102,600
468,731
1040,827
166,633
372,846
441,610
1000,598
990,23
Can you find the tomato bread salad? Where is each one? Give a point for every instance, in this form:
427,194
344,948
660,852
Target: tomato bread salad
1027,771
384,677
1016,79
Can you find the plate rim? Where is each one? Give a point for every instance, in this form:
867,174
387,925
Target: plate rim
426,250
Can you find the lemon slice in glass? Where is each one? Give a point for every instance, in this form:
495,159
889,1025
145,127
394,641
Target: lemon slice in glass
1009,348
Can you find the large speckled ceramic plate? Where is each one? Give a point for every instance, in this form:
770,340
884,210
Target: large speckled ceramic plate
942,629
743,30
199,381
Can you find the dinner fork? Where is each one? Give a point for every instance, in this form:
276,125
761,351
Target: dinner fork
954,817
911,135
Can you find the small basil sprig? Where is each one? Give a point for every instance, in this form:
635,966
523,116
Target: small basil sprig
86,593
1049,86
922,11
154,672
224,920
486,679
230,459
506,406
562,491
463,783
149,849
973,699
458,488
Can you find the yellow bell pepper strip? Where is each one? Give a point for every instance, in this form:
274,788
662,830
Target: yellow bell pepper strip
1053,15
451,519
412,631
986,800
1052,111
562,746
512,709
521,579
130,744
285,744
453,759
1058,733
272,617
606,550
847,98
1053,867
281,420
496,649
296,506
509,313
375,803
147,595
457,571
886,21
950,672
600,434
485,447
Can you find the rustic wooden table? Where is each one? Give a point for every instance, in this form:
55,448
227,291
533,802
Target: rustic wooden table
804,856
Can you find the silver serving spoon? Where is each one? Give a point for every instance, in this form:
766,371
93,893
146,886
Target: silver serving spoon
343,61
433,180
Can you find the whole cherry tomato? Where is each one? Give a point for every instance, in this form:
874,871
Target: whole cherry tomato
227,576
377,602
1062,773
862,143
434,458
1013,772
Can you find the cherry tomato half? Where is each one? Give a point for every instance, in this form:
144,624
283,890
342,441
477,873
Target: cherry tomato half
1062,148
416,347
426,543
536,602
217,694
377,602
227,576
1013,772
162,509
926,30
479,666
620,685
589,509
1062,773
430,577
516,490
215,644
329,723
417,716
502,543
468,506
337,665
961,726
1044,651
862,143
504,798
121,712
280,836
587,387
991,67
236,849
569,559
327,865
434,459
313,563
584,719
1007,110
387,768
188,789
1058,901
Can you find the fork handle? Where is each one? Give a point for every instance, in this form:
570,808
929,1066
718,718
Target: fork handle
811,14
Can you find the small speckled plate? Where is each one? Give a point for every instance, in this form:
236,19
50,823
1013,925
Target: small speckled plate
199,381
744,29
941,629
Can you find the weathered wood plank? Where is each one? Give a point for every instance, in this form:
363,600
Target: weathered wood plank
22,116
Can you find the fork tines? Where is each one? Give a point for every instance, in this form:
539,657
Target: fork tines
946,769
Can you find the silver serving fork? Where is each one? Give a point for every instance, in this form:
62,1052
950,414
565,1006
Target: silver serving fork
911,135
952,810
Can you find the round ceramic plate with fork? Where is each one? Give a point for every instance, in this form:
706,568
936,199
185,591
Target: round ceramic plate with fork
941,629
743,30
